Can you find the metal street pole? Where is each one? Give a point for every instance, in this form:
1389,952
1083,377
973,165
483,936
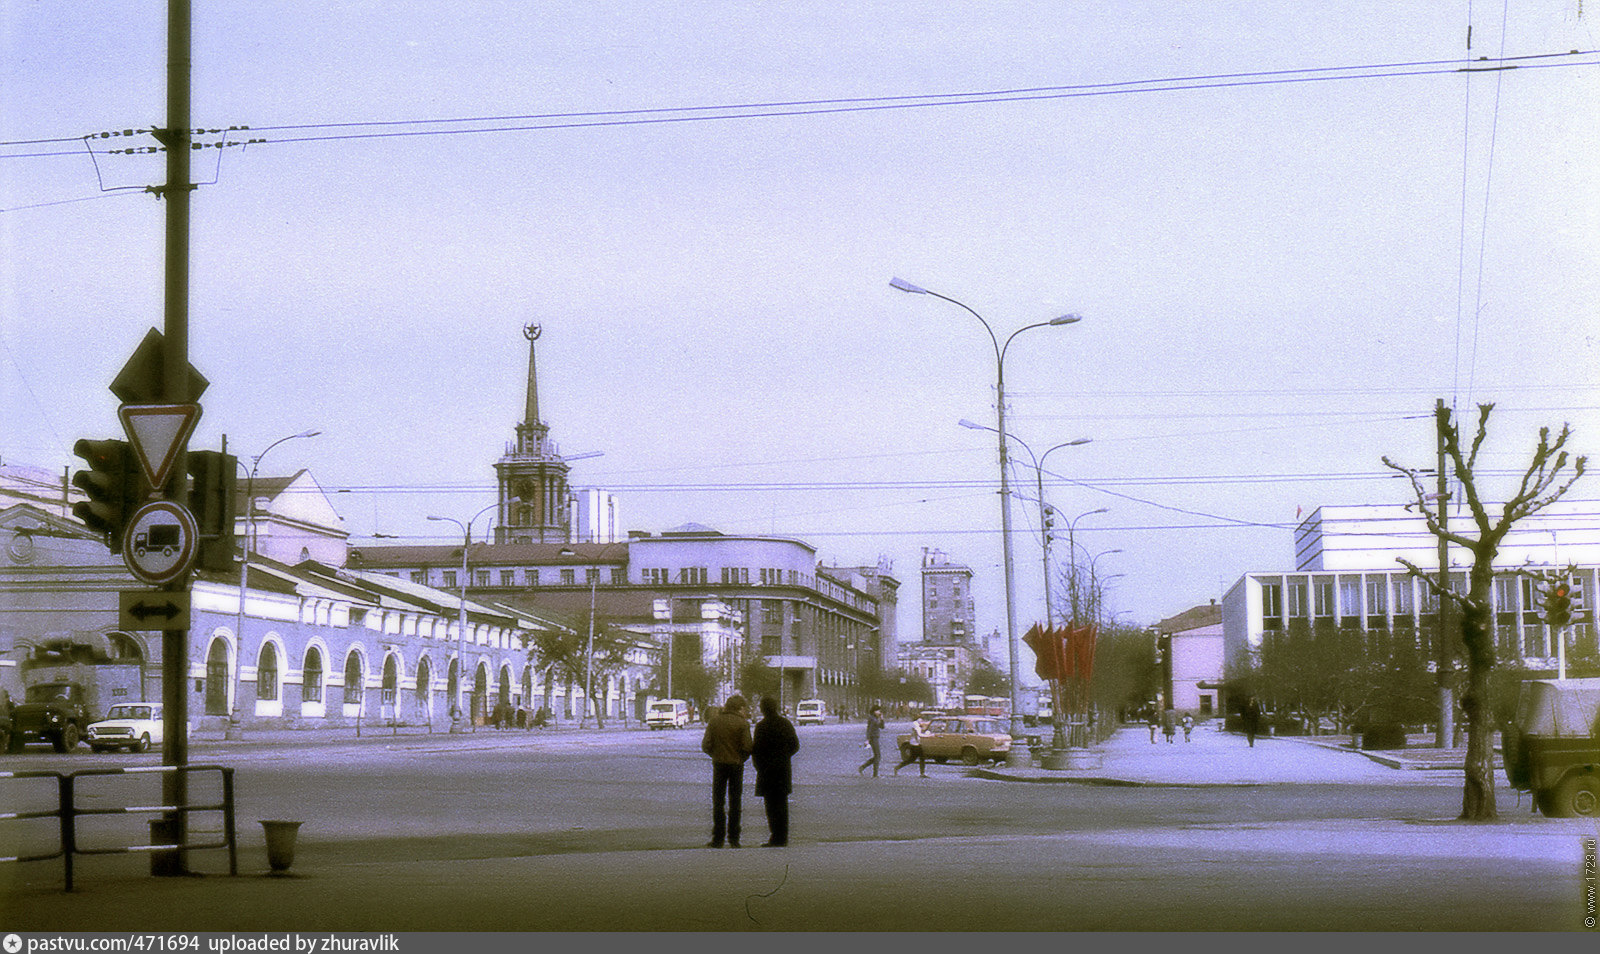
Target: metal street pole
233,730
1005,484
457,725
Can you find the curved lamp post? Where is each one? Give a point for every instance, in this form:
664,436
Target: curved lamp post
456,720
588,662
232,731
1058,740
1005,482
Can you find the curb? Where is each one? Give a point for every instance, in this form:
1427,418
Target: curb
1107,781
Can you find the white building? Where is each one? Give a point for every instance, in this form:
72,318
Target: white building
1347,572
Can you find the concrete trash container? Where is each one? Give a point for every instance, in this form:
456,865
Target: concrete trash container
280,844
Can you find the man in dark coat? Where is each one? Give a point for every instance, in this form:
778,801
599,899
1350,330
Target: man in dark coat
727,741
775,744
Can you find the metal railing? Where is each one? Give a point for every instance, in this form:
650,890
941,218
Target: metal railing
68,811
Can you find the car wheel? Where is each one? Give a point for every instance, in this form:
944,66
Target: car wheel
143,745
70,737
14,744
1578,796
940,759
5,741
969,756
97,748
906,754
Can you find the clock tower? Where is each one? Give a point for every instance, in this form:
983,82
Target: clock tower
535,503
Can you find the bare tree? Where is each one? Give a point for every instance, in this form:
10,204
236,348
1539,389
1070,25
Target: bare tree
1541,485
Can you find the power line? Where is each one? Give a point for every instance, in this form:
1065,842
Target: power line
339,131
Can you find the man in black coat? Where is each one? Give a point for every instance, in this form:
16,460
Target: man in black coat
774,745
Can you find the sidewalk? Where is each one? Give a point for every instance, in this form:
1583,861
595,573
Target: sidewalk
1217,758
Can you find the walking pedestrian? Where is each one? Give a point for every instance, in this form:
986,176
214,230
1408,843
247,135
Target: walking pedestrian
1169,724
874,730
727,741
1153,726
913,751
774,746
1250,717
1188,726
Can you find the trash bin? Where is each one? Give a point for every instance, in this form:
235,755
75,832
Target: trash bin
281,837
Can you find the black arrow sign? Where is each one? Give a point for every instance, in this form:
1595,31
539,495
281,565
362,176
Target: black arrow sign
143,611
153,609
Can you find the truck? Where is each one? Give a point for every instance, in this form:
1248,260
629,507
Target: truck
54,712
160,536
1552,748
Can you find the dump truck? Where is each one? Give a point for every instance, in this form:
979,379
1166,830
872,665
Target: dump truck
1552,749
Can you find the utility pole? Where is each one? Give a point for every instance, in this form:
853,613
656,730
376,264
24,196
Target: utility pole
1447,701
175,388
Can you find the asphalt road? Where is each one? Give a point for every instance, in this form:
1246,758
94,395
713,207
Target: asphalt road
590,831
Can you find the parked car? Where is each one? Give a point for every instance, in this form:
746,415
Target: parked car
134,726
667,714
53,712
810,712
972,739
1552,749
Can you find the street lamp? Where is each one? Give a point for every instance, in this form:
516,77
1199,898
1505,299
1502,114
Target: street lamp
1058,740
456,725
588,668
1005,482
1072,554
232,731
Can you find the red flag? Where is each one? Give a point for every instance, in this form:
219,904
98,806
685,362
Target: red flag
1049,658
1080,651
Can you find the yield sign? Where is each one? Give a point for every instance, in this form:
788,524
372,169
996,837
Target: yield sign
157,431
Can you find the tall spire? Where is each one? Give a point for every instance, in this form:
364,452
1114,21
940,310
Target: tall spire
535,501
531,415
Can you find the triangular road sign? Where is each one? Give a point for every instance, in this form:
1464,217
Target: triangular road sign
156,432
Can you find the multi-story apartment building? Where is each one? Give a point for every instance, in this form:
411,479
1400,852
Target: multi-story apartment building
1347,574
947,606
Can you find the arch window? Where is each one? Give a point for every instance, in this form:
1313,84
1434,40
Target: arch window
352,679
216,701
267,673
391,682
311,676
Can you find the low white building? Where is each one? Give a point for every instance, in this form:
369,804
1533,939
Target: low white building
1347,572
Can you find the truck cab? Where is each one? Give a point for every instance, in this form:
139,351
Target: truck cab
1552,749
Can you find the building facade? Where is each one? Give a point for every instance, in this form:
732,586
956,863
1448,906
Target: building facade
297,646
1347,574
948,613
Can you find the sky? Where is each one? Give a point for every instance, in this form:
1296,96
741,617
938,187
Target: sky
1288,230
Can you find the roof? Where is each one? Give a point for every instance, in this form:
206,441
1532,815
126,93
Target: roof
1197,617
489,554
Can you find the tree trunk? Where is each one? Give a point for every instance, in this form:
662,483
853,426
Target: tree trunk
1477,635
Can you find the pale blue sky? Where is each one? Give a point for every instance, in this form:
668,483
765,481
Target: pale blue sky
1276,279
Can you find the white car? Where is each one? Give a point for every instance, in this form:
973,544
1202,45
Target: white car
131,725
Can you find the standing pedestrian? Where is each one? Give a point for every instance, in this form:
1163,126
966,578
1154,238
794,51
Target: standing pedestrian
775,744
1169,724
913,752
874,730
1250,716
1153,726
1188,726
727,741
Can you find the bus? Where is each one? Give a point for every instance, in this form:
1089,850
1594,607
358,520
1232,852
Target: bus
987,705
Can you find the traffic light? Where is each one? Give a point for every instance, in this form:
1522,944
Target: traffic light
211,501
1558,605
115,486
